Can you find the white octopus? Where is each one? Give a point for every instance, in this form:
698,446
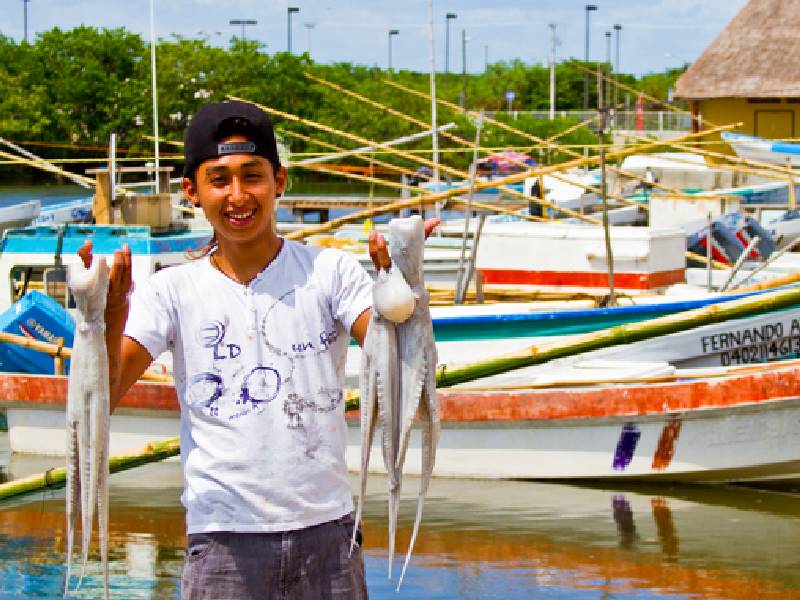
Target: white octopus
398,372
88,417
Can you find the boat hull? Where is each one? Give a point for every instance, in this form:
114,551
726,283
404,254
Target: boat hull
743,427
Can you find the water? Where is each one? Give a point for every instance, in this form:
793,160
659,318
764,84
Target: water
479,540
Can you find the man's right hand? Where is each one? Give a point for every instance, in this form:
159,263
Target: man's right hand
120,281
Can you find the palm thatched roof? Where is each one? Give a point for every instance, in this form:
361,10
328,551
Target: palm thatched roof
757,55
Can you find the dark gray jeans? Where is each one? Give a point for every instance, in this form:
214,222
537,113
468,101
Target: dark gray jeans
312,563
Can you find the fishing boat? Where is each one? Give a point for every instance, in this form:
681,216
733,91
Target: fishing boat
689,406
762,150
19,215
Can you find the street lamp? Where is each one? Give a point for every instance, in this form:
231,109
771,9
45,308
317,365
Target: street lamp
391,33
244,23
589,9
464,40
289,11
309,26
447,19
617,28
25,17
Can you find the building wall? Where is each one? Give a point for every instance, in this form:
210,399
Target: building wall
773,118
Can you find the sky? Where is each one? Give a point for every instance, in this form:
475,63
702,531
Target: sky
656,34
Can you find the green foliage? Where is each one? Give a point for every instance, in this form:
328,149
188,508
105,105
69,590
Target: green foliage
78,86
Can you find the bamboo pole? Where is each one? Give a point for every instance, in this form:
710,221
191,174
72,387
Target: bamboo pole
56,478
539,140
458,173
758,167
46,167
384,108
700,258
350,136
359,155
395,206
724,372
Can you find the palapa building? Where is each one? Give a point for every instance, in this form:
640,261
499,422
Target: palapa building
750,73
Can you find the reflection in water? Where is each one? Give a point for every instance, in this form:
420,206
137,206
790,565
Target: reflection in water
479,539
662,515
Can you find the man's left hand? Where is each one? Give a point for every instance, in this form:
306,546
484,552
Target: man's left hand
379,251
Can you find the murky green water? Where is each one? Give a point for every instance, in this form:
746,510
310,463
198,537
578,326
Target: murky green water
480,539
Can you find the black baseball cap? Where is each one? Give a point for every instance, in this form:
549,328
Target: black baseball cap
214,122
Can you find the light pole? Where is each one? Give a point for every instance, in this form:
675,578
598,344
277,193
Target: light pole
606,86
448,17
553,43
391,33
589,9
244,23
25,17
289,12
464,40
617,28
309,26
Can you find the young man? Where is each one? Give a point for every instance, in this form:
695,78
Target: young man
258,328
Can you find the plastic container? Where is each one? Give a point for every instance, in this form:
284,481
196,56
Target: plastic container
41,318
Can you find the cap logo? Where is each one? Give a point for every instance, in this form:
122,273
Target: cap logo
236,148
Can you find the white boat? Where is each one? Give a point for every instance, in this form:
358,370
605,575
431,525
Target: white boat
78,210
19,215
651,410
762,150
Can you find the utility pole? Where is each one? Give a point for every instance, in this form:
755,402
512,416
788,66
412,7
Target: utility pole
448,17
244,23
606,87
391,33
617,28
289,12
25,17
553,43
464,69
309,26
589,9
601,137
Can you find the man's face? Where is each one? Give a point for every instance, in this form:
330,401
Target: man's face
237,194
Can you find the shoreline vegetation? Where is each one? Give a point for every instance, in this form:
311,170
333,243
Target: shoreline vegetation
66,92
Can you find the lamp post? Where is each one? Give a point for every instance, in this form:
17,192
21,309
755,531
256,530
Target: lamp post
309,26
606,86
617,28
391,33
553,44
589,9
244,23
447,18
289,11
25,17
464,40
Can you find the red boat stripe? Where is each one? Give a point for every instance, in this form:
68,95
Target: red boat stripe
638,281
464,405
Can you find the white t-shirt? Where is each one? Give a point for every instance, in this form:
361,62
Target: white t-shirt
258,371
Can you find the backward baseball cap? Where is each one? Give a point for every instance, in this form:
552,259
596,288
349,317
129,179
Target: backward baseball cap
216,121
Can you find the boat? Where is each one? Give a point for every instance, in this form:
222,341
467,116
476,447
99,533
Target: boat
19,215
762,150
690,406
77,210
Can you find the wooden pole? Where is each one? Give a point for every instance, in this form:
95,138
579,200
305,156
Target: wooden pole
350,136
427,198
543,142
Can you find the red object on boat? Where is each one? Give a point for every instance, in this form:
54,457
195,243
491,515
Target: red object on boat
640,113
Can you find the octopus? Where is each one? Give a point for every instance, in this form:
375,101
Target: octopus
88,417
398,374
